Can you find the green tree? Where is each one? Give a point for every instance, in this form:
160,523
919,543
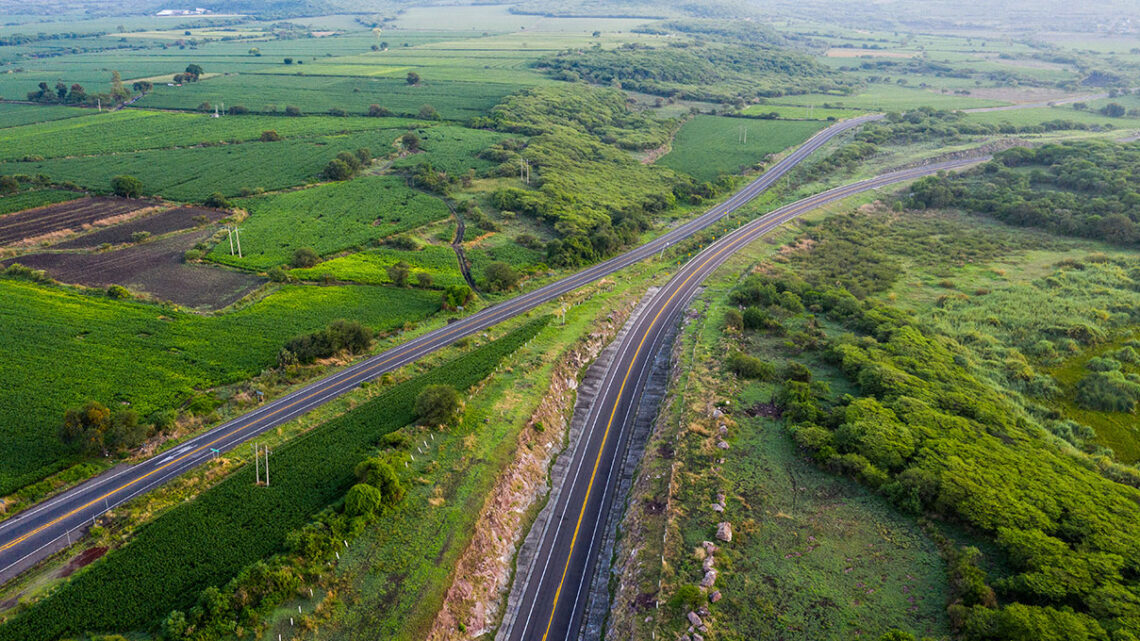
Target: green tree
194,71
424,280
439,405
142,86
456,296
428,112
83,428
1113,110
118,91
410,141
292,111
399,273
216,200
337,169
363,500
305,257
501,277
9,185
126,186
413,78
376,111
379,474
270,136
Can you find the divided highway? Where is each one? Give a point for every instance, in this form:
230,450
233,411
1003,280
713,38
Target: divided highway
40,531
554,598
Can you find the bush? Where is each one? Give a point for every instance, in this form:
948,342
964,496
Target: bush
501,277
733,320
363,500
270,136
399,273
687,597
439,405
118,292
456,296
126,186
291,110
1109,391
305,257
376,111
340,335
746,366
217,201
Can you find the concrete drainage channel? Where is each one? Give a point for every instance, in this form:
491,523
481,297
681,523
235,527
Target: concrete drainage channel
598,604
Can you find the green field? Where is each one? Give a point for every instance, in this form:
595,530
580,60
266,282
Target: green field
456,100
98,134
708,146
453,149
1036,116
14,115
328,218
192,174
64,348
370,266
38,198
789,112
196,545
879,97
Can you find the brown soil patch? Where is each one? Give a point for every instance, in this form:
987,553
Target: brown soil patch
71,215
155,268
159,224
85,558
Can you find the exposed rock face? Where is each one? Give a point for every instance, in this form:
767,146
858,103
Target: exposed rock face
724,531
475,597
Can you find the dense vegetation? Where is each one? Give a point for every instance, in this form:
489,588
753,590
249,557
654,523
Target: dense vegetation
895,402
715,72
208,541
595,194
1081,189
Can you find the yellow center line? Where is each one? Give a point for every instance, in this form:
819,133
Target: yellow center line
731,246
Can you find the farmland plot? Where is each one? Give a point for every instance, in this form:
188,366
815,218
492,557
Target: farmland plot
328,218
72,216
171,220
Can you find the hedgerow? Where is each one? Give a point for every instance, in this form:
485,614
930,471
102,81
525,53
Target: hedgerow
208,541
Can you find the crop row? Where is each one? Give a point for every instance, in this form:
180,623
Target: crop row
209,540
135,130
328,218
192,174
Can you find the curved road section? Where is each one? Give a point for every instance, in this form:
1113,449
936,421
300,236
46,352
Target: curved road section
40,531
554,598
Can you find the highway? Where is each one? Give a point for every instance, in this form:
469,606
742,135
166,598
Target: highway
40,531
554,597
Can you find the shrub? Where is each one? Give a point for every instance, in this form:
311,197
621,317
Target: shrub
1110,391
687,597
118,292
376,111
1101,364
126,186
363,500
399,273
438,405
501,277
340,335
456,296
217,201
746,366
305,257
270,136
733,320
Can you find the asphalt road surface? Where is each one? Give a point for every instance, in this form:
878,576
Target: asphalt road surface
553,600
42,530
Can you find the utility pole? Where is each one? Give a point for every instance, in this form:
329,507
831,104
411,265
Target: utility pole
230,234
256,465
266,466
237,233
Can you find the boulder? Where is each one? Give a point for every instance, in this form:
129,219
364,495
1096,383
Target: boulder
697,637
716,413
694,618
717,507
720,498
722,445
709,546
709,580
715,596
708,563
724,531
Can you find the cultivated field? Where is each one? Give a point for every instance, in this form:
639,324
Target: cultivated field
708,146
65,218
171,220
